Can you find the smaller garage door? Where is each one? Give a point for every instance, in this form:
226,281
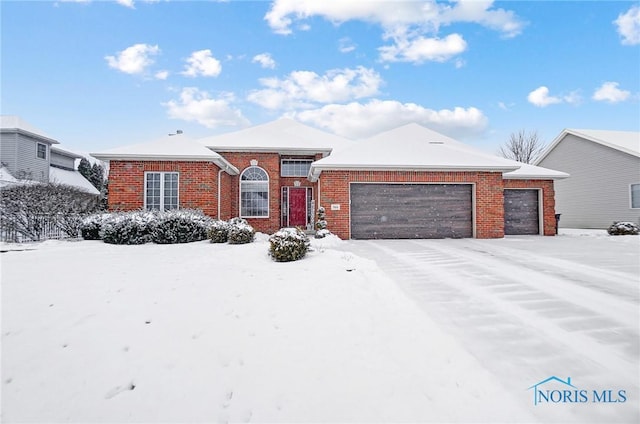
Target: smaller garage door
521,212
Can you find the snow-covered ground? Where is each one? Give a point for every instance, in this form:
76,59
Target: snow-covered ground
355,332
529,308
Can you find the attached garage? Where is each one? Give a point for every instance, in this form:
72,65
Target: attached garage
521,212
406,211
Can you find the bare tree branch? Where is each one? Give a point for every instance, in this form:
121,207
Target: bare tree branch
522,146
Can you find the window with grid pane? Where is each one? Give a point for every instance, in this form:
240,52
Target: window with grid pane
295,167
254,193
161,190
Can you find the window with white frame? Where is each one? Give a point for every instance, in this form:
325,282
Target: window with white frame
254,193
161,190
41,151
635,196
295,167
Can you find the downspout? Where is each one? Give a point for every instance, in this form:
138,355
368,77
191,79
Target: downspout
219,189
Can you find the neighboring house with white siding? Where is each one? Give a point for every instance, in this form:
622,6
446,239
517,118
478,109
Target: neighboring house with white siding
28,154
605,177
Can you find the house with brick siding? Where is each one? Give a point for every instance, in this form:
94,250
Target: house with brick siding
409,182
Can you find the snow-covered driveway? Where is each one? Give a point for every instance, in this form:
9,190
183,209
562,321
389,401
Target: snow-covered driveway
533,307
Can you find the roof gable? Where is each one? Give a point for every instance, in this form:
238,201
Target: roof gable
282,135
624,141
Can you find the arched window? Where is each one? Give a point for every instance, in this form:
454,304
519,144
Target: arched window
254,193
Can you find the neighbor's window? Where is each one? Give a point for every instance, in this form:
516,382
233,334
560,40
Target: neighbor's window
161,190
295,167
254,193
41,150
635,196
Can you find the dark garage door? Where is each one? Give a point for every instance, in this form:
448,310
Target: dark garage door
521,212
384,211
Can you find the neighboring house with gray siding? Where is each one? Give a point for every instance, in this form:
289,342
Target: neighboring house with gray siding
27,154
25,151
605,177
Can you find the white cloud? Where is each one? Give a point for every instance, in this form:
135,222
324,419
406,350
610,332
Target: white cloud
420,49
540,97
392,15
197,106
135,59
628,24
303,89
202,63
346,45
412,25
126,3
481,12
358,120
162,75
609,92
265,60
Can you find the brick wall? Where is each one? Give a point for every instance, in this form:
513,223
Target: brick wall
489,213
270,162
198,184
548,201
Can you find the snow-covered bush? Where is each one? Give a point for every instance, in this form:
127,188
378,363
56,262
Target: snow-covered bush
35,211
180,226
129,227
91,225
240,232
288,244
623,228
321,224
219,231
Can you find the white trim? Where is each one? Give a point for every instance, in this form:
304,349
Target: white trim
268,194
316,170
540,191
473,196
282,160
568,131
631,196
307,198
162,173
46,156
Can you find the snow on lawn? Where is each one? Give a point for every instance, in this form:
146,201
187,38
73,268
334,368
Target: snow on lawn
205,332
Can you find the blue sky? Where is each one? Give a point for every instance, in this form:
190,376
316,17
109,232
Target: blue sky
97,74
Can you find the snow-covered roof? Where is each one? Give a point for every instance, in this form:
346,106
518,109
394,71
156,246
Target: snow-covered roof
412,147
176,147
17,124
283,136
63,152
6,178
71,178
624,141
533,172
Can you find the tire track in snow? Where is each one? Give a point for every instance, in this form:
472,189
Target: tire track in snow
517,320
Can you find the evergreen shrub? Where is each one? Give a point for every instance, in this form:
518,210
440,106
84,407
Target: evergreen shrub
219,231
240,232
288,244
180,226
623,228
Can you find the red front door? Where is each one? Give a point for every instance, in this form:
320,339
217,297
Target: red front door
297,207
